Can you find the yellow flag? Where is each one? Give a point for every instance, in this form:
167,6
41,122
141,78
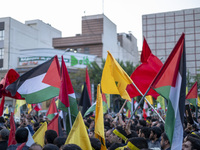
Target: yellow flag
198,102
18,104
38,136
150,99
99,122
114,79
29,108
78,134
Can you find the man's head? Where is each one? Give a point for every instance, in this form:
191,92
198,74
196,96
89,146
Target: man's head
96,144
59,141
108,134
114,138
50,147
144,132
71,147
191,143
91,133
35,147
4,134
50,135
155,133
137,142
21,135
164,143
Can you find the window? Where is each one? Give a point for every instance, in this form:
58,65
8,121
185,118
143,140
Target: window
2,35
86,50
1,53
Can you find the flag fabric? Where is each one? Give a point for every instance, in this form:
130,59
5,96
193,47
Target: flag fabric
52,111
104,101
29,107
55,125
67,96
10,77
150,99
84,100
38,136
114,79
18,104
99,121
30,140
198,102
87,80
78,134
21,146
192,95
171,84
145,106
2,105
108,99
93,107
37,107
39,84
129,108
135,104
11,140
161,101
145,73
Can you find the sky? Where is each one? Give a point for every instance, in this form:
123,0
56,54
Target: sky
66,15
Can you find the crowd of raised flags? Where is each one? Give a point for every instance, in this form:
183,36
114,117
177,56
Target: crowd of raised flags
152,80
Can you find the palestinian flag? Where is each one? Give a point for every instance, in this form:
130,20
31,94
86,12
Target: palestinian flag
171,84
84,100
39,84
93,107
67,96
52,111
192,95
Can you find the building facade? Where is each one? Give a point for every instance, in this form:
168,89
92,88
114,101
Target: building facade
15,36
162,31
99,34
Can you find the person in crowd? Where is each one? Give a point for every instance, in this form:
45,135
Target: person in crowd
50,136
35,146
4,134
191,143
145,133
154,138
95,143
59,141
137,143
108,137
70,147
164,143
21,136
50,146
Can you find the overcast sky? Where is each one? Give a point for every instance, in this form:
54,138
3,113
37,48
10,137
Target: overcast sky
65,15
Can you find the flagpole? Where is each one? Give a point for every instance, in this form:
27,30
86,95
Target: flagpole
143,97
115,120
70,120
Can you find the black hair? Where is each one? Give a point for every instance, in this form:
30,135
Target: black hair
50,147
71,147
115,145
194,141
143,123
139,142
146,132
59,141
21,135
164,135
96,144
157,131
50,135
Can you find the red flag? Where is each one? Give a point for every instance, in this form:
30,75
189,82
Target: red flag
11,140
53,125
52,109
63,94
145,106
193,92
37,107
21,146
87,80
145,73
2,105
10,77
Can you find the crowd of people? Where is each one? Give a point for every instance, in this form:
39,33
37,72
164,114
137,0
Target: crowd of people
120,134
